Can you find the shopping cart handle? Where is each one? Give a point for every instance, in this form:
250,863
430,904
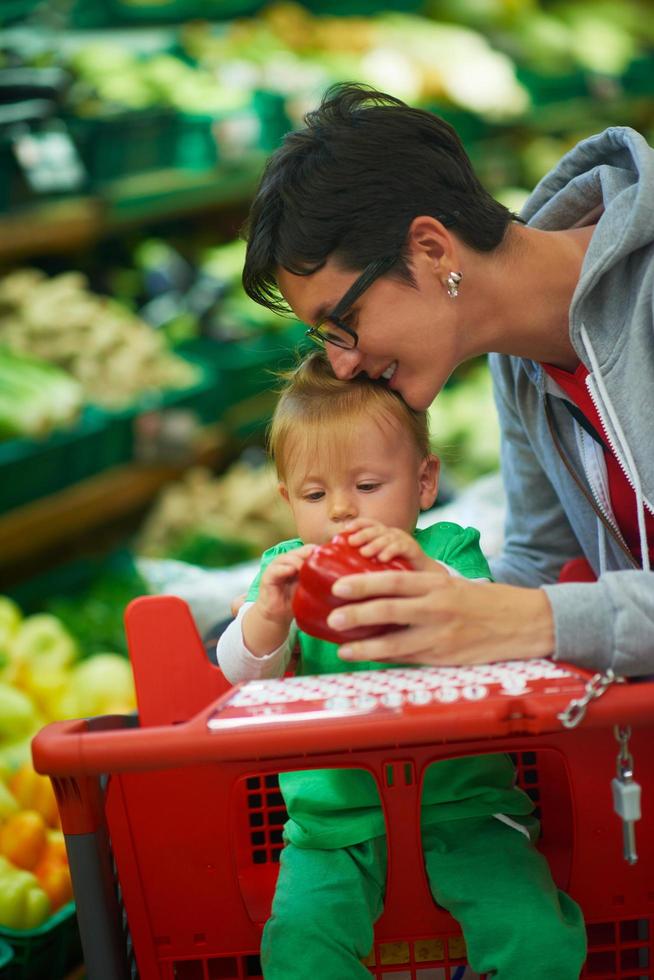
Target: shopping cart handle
243,726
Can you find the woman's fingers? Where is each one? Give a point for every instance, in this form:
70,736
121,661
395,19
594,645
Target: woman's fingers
404,646
400,583
451,623
377,612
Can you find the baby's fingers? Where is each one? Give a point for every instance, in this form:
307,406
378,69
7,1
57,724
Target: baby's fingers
363,529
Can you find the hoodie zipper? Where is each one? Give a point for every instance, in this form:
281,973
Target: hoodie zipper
610,519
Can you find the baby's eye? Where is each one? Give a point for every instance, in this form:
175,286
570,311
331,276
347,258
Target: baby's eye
314,495
368,486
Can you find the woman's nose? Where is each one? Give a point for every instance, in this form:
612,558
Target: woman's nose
345,363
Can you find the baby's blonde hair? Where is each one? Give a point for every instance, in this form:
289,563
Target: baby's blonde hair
313,399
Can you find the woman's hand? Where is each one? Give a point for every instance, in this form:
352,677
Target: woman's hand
375,540
450,620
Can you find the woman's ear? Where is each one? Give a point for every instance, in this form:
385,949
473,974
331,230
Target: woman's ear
428,480
429,241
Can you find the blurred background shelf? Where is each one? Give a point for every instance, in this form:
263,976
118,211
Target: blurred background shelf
32,536
72,224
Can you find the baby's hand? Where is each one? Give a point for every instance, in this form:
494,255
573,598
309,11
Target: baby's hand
278,584
374,539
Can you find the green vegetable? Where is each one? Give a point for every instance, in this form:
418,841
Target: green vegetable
211,551
95,616
35,397
23,903
18,715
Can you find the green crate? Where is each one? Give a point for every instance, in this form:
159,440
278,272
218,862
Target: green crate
545,89
33,468
362,8
13,11
639,76
50,951
126,143
204,141
246,373
109,13
6,956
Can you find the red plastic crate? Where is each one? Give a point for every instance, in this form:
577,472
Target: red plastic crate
193,814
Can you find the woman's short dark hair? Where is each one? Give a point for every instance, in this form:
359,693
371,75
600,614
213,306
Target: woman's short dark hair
351,182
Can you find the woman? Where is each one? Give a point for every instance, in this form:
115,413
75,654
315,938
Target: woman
371,225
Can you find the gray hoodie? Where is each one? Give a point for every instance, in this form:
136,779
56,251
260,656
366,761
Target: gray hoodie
609,623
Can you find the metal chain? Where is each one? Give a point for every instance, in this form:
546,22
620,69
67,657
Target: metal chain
595,688
625,760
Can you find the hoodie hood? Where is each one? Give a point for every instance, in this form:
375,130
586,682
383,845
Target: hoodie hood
609,179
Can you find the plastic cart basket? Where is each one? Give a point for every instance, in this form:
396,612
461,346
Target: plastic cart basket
186,795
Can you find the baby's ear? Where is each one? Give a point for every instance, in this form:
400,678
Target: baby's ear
283,491
428,476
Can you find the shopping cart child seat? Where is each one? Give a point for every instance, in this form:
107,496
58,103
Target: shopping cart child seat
173,820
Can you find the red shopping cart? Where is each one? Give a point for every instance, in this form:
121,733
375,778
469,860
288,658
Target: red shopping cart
173,819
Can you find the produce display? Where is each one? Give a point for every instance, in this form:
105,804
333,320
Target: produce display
286,48
34,874
42,679
112,355
92,613
558,37
35,397
109,77
216,521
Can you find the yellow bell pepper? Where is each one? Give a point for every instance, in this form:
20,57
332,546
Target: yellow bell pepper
23,839
8,802
23,903
34,792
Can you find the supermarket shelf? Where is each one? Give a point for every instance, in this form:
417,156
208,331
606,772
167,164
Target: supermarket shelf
85,507
169,193
72,223
51,227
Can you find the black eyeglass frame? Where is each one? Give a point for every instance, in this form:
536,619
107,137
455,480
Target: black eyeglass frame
372,271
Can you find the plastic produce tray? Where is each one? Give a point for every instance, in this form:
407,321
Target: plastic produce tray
107,13
50,951
6,956
33,468
126,143
246,373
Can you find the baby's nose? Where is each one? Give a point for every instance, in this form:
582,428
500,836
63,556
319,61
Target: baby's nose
343,508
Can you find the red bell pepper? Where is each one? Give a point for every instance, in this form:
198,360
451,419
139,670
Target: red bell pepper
313,600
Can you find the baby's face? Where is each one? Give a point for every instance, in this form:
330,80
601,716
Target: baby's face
374,471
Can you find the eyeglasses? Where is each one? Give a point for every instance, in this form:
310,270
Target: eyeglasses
344,336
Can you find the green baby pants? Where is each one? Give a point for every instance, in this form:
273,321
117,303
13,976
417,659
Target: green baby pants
516,924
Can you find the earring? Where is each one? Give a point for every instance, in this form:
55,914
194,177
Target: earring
453,280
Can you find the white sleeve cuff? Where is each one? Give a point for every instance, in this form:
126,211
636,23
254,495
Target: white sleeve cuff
239,664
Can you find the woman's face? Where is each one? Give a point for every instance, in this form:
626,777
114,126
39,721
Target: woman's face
407,333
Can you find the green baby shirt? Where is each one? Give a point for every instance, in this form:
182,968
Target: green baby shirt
331,808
